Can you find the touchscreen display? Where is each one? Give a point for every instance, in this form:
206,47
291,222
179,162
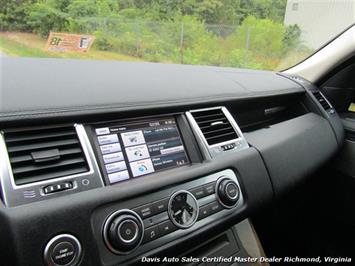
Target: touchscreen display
141,148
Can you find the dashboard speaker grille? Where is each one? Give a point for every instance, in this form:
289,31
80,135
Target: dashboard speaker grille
215,126
44,153
321,99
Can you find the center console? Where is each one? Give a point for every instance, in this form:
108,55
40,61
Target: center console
134,149
137,226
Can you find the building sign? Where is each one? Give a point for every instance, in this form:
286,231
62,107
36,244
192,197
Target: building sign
64,42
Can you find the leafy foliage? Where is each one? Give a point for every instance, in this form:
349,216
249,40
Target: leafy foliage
237,33
13,15
43,17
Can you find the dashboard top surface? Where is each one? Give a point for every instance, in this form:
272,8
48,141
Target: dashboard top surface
35,88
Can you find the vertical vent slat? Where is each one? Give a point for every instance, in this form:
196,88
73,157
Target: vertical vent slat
215,126
321,99
44,153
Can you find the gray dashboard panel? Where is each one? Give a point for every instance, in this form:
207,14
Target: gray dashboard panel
35,88
293,149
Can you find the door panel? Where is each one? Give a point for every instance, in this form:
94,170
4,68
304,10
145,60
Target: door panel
339,97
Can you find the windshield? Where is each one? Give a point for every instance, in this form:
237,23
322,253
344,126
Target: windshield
258,34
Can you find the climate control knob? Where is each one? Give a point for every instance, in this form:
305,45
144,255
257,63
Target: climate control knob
123,231
228,192
183,209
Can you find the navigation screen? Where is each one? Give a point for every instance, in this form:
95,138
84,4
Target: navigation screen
137,149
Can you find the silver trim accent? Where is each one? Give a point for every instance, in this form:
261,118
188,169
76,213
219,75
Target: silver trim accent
211,151
220,179
232,184
51,244
135,234
12,194
107,224
216,123
170,214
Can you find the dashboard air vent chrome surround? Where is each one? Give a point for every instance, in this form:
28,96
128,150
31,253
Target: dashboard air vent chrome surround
323,101
216,131
44,153
214,126
46,157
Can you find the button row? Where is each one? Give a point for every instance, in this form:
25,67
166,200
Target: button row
209,209
112,155
57,187
159,230
153,208
228,147
167,226
204,191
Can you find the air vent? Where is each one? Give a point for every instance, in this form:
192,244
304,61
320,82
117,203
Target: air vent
44,153
215,126
321,99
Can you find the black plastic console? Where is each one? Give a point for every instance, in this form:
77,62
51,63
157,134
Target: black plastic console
167,215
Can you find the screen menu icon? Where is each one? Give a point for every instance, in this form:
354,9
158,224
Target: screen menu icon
132,138
137,152
142,167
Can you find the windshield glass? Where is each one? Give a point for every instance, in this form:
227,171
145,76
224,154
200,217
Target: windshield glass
258,34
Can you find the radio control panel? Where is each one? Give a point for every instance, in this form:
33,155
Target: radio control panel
129,229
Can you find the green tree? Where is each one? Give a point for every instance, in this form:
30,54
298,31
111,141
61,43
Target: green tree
264,9
44,17
13,15
292,37
261,36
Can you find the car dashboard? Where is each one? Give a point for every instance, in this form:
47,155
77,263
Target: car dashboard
106,163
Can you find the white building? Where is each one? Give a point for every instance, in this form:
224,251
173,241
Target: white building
320,20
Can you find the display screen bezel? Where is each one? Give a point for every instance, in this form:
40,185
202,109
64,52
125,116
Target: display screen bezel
137,121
